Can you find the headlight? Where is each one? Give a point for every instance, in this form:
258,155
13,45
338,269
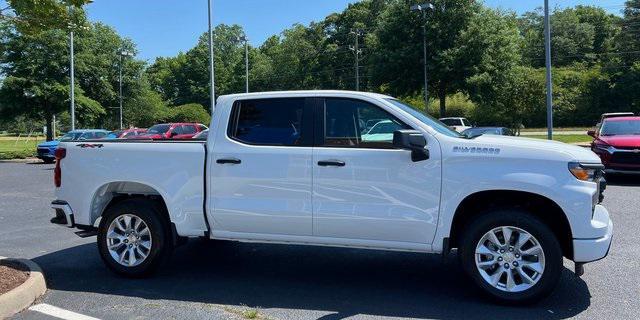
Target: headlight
605,147
586,171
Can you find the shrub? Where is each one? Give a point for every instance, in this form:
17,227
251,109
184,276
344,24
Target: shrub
192,112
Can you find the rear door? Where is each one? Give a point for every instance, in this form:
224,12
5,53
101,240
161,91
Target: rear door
261,170
363,188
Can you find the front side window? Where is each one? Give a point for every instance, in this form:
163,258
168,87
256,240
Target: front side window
159,129
276,122
358,124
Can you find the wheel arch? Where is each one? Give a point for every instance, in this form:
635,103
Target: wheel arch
541,206
113,192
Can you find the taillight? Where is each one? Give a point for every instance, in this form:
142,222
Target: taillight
57,172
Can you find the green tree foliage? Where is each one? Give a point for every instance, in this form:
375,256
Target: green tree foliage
37,83
192,112
33,16
580,34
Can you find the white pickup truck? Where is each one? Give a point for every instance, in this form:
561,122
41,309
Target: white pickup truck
311,168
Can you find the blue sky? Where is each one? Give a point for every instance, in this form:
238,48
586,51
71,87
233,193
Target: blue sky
166,27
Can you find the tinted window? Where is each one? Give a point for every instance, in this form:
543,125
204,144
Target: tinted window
452,122
100,135
269,122
352,123
189,129
159,129
177,130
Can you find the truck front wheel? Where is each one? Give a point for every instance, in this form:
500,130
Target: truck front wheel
133,240
512,256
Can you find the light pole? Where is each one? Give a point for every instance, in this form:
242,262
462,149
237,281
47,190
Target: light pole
72,71
122,54
357,51
423,8
211,69
547,52
246,61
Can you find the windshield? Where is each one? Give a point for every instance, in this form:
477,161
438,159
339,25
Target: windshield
620,127
426,119
70,136
159,129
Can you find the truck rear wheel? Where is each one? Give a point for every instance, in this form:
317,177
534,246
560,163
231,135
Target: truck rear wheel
512,256
133,239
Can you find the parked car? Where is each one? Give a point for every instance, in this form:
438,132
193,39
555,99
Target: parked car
294,168
126,133
498,131
46,150
171,131
617,142
456,123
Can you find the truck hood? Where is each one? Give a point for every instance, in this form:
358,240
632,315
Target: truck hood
576,153
621,141
49,144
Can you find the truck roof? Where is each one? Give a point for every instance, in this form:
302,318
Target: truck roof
287,94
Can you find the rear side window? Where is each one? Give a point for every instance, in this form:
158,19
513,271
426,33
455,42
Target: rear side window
276,122
358,124
188,129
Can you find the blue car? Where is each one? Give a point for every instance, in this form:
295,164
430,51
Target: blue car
46,150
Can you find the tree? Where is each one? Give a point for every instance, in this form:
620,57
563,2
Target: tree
33,16
36,81
398,56
580,34
191,112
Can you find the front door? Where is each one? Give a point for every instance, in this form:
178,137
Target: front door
364,190
261,170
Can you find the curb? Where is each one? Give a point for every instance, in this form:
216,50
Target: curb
26,160
24,295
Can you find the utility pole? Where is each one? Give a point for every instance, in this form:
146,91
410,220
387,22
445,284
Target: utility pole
423,9
122,54
357,52
547,52
246,61
211,68
71,74
71,69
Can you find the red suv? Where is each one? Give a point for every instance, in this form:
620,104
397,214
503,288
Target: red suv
617,142
172,131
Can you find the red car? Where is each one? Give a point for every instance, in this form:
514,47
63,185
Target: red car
617,142
172,131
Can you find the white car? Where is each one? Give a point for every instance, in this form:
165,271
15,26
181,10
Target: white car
456,123
302,168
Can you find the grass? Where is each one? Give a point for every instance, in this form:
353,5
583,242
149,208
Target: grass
20,149
585,129
566,138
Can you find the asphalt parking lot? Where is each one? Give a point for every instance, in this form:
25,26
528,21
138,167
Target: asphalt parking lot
226,280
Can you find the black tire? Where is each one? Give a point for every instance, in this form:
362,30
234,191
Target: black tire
523,220
160,232
48,160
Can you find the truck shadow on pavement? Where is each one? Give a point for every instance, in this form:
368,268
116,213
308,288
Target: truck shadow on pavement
340,282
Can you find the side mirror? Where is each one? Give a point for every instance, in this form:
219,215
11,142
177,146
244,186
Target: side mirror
411,140
172,134
592,133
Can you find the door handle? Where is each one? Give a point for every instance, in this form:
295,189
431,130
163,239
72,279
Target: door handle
229,161
331,163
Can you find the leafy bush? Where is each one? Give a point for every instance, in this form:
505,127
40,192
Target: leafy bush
192,112
18,154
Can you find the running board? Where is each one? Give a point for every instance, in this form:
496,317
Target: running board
86,233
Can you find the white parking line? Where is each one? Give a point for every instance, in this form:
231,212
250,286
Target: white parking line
59,312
